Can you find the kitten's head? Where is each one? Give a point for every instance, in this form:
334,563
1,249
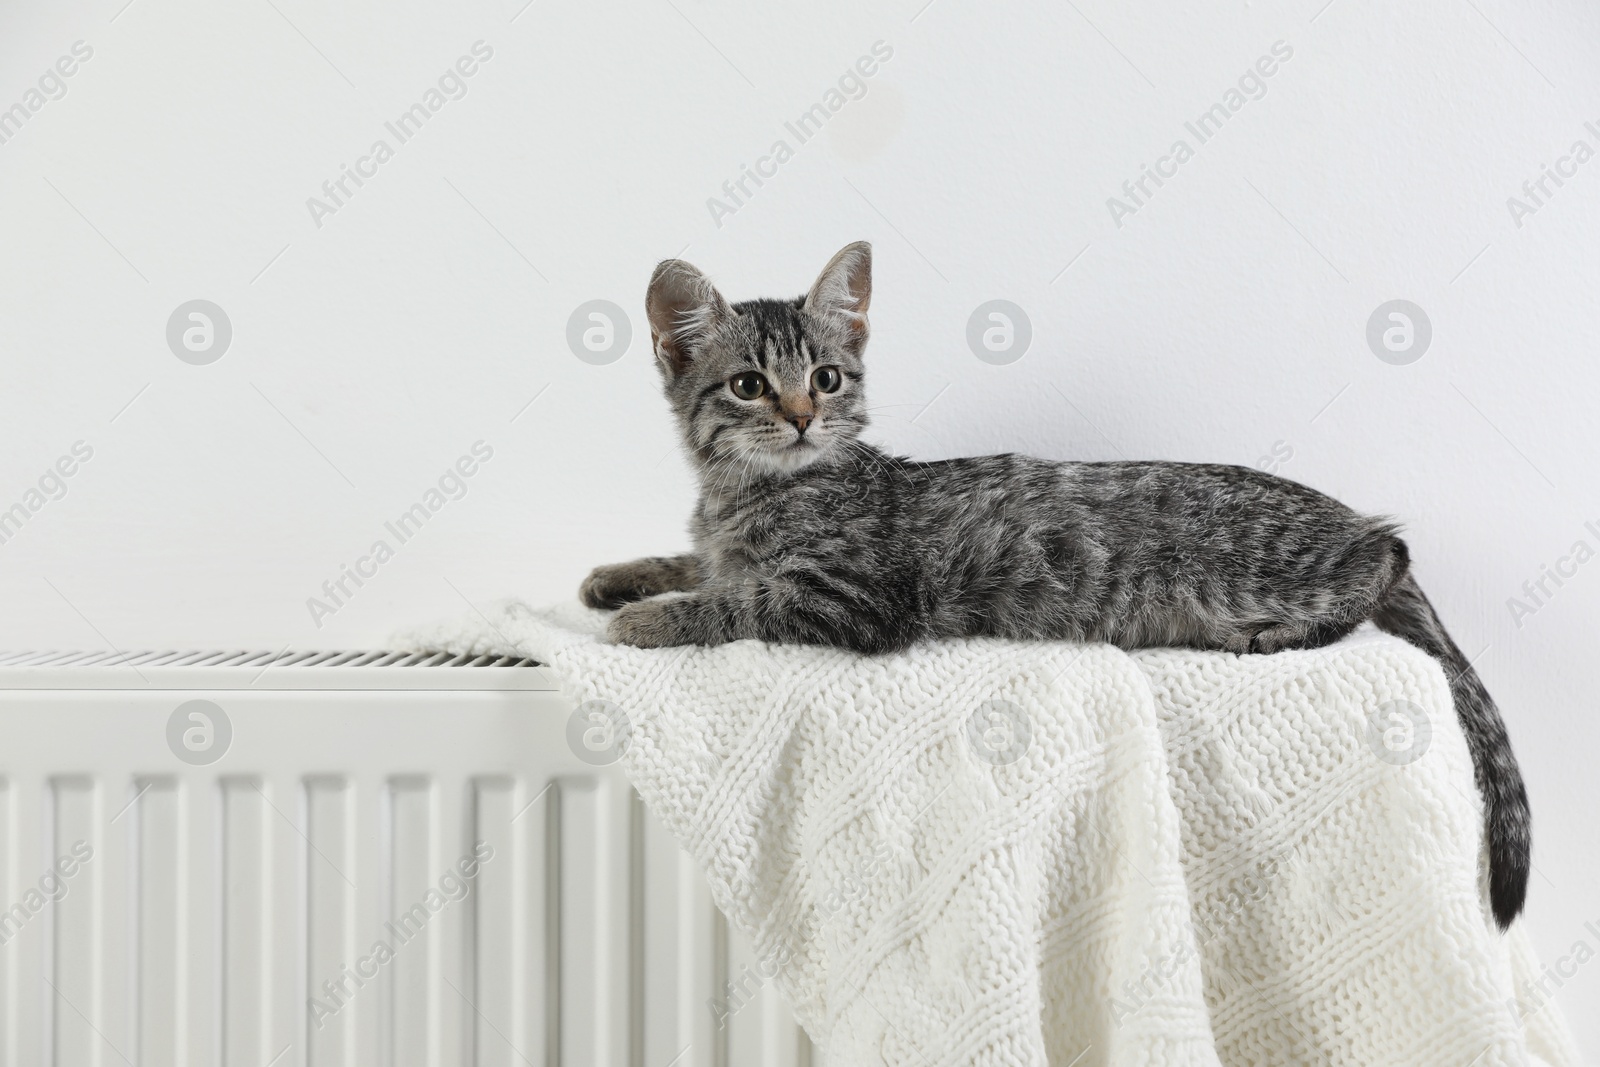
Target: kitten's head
769,385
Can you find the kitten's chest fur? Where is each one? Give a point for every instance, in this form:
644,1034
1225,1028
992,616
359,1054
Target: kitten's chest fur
815,513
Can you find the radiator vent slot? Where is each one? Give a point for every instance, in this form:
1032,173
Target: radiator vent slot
263,671
259,660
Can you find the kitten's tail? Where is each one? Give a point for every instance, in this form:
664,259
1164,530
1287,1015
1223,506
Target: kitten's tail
1407,614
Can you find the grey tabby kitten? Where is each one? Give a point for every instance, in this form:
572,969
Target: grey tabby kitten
804,533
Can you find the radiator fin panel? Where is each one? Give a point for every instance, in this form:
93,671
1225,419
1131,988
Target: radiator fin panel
343,978
77,963
153,815
413,1031
245,989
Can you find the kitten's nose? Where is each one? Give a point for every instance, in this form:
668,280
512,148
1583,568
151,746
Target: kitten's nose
801,420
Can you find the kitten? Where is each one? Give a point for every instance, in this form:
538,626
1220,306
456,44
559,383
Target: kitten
804,533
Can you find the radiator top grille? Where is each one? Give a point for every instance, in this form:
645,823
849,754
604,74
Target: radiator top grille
245,670
258,660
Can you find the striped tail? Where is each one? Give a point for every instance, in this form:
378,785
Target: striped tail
1407,614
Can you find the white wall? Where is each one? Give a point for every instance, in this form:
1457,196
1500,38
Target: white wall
1224,319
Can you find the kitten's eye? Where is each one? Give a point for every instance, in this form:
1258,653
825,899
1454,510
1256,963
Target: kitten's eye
749,386
826,379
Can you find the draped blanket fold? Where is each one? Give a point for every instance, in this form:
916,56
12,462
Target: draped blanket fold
999,852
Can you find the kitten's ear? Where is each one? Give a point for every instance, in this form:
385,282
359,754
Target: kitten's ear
843,292
683,307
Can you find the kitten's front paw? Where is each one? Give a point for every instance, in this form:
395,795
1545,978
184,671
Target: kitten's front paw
646,624
614,585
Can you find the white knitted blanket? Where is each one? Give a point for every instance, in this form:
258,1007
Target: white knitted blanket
995,852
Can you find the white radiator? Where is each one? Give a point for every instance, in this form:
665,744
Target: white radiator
329,859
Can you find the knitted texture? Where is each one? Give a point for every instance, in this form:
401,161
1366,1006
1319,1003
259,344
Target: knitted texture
997,852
